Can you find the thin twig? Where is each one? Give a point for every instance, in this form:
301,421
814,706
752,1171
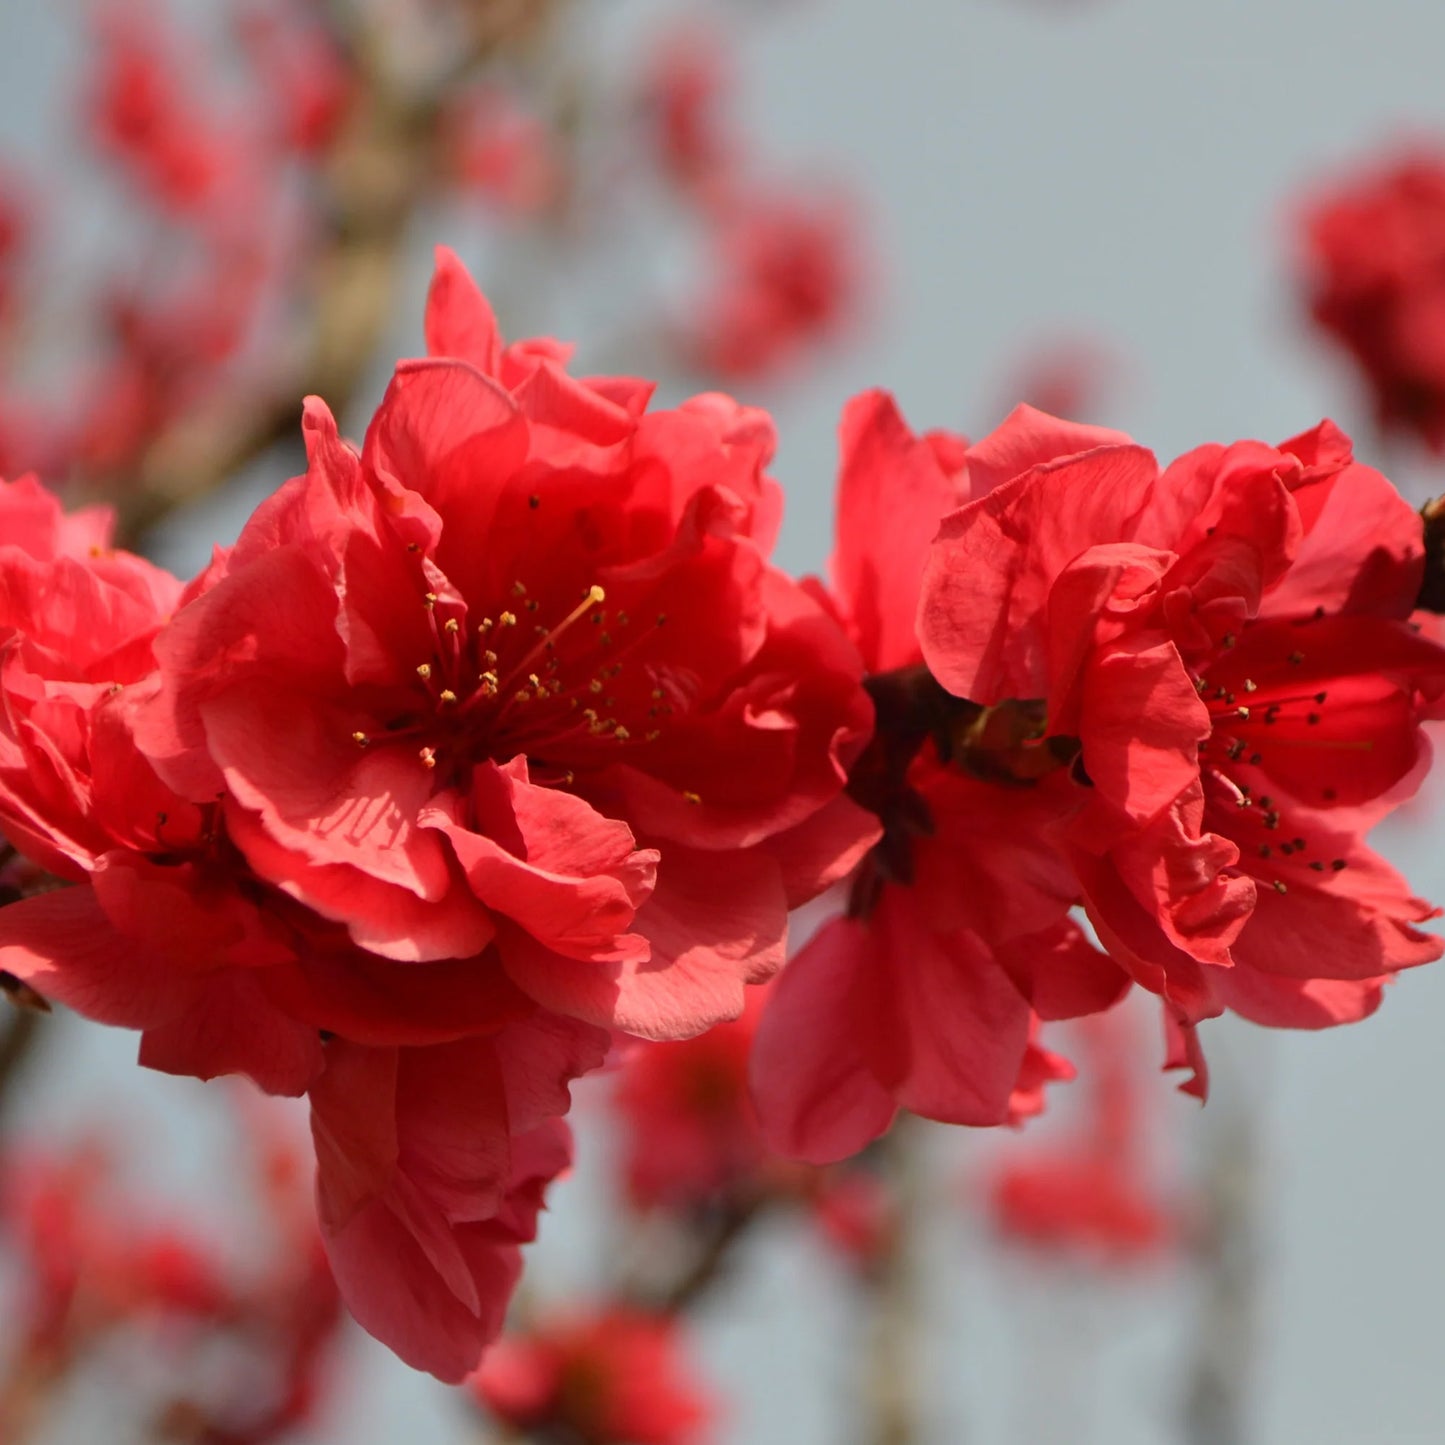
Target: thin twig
22,1032
890,1373
710,1262
1215,1405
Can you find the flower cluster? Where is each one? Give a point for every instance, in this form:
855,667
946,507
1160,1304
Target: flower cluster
94,1269
500,734
600,1377
1373,257
483,740
1176,697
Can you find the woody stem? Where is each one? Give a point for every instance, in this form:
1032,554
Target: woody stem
890,1376
1215,1404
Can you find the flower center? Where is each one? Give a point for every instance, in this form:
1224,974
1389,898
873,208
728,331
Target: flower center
566,692
1258,721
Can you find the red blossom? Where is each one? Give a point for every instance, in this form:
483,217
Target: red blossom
1091,1192
689,1130
538,686
301,71
385,827
96,1263
854,1210
1227,647
785,274
144,116
504,154
1373,255
924,996
685,90
176,936
1069,376
609,1377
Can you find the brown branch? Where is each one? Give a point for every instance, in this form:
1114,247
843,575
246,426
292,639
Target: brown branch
890,1376
22,1032
1215,1405
710,1263
386,162
1432,583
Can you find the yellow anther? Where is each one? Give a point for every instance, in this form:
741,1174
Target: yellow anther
485,625
1250,685
451,625
430,599
507,619
489,657
596,594
428,757
521,695
489,684
361,740
447,696
424,671
595,686
692,797
622,735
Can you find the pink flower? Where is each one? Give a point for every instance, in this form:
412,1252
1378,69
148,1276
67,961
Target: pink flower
518,676
610,1377
1224,649
924,995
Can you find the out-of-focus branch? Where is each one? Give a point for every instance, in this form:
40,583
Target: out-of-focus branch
890,1404
1216,1401
384,164
713,1256
20,1031
24,1394
1432,582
